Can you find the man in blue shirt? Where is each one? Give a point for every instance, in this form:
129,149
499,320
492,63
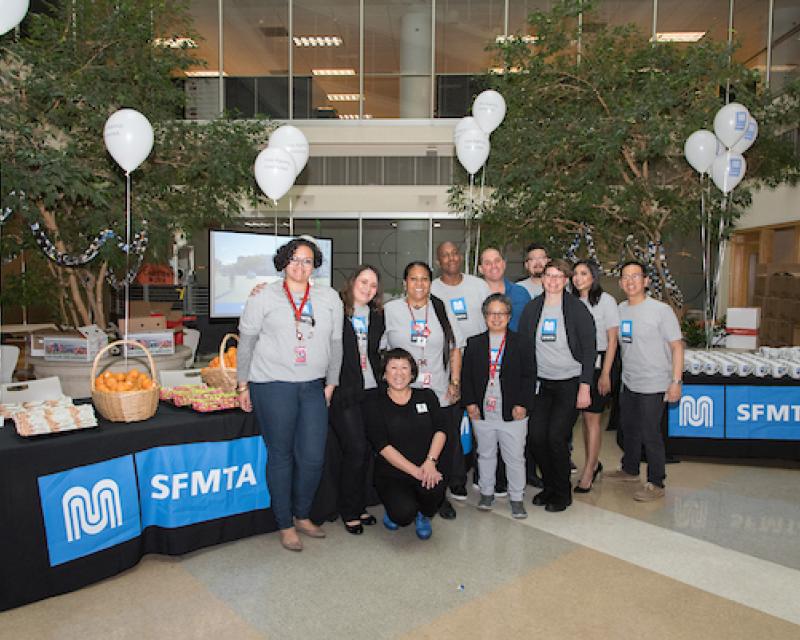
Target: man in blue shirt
493,269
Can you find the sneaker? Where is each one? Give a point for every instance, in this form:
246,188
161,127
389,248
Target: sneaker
621,476
389,523
500,492
648,493
423,527
486,503
446,511
459,492
518,510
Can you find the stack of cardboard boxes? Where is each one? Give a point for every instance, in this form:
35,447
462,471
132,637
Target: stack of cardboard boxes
777,292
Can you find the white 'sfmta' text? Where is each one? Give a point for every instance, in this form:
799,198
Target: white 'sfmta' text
770,412
200,483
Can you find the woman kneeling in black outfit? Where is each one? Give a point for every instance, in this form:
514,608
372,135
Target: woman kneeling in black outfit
407,428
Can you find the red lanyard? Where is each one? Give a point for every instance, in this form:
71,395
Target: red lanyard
298,311
493,365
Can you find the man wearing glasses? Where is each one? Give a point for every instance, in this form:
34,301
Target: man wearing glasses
535,261
652,365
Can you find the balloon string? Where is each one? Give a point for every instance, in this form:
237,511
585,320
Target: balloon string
720,258
477,248
470,213
127,258
703,239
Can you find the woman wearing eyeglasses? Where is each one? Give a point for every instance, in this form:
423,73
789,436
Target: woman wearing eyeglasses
562,333
496,389
603,307
290,355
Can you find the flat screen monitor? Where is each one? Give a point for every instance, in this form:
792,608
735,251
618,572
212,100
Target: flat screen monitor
239,260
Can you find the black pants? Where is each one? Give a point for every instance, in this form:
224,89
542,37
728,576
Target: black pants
549,431
348,426
404,497
640,418
456,463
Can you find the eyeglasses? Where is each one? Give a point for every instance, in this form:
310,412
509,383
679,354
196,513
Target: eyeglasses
633,277
302,262
554,276
497,314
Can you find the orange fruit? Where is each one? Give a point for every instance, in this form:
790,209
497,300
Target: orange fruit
145,385
125,386
120,376
111,383
132,374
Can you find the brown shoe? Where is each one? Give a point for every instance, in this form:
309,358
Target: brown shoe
648,493
308,528
290,540
621,476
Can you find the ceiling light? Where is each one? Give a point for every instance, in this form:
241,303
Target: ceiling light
510,39
679,36
175,43
333,72
317,41
354,116
205,73
344,97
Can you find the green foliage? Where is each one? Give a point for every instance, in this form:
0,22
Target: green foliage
599,140
58,86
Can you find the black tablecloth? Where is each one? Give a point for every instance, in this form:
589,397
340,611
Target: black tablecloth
25,571
731,448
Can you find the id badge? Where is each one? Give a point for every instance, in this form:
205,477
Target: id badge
626,331
491,404
425,378
300,355
419,333
363,362
549,330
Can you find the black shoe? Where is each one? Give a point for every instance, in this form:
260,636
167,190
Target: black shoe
670,459
580,489
536,481
555,508
367,519
459,492
572,467
355,529
597,470
446,511
540,499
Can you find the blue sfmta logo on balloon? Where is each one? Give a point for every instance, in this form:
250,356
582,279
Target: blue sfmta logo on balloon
741,120
735,168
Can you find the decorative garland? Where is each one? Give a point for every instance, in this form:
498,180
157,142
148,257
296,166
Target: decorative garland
648,258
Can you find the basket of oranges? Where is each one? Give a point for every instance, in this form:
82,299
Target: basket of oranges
125,397
221,371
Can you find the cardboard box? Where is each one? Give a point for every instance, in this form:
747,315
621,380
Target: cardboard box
141,308
80,345
157,342
143,324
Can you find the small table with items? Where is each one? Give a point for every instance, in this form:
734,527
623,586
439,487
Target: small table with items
79,507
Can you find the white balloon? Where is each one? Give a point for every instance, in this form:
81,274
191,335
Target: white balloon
129,138
728,170
293,140
11,14
700,150
749,137
473,150
466,123
489,109
275,172
730,123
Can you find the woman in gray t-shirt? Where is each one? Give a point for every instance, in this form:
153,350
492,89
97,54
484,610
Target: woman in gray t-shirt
289,359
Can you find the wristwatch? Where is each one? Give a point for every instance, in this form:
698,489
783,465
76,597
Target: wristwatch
432,459
455,383
678,381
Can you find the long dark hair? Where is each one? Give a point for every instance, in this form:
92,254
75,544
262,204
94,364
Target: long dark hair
438,308
347,290
595,291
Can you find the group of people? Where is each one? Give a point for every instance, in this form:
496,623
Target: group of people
395,382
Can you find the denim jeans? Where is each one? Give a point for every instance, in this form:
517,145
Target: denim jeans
293,418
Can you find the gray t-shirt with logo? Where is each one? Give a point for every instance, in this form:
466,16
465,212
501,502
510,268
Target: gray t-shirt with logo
554,360
645,331
464,302
606,316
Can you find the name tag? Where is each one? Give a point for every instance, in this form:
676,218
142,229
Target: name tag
425,378
626,331
300,355
422,407
419,333
491,404
549,330
459,308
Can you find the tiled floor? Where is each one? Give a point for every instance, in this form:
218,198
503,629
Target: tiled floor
718,558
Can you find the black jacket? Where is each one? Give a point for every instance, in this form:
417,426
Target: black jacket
516,372
579,325
351,380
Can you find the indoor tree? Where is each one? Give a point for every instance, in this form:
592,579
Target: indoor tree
71,69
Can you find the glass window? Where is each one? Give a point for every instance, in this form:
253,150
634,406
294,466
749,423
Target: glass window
256,57
389,245
326,38
519,10
344,234
463,31
785,43
710,16
614,13
397,59
750,19
202,84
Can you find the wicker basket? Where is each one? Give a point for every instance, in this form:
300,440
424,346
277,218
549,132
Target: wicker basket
126,406
221,376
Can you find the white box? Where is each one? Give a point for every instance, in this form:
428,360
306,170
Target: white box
741,342
743,317
159,343
81,345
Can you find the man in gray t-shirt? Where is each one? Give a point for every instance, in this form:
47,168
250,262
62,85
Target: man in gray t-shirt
535,261
652,364
461,293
